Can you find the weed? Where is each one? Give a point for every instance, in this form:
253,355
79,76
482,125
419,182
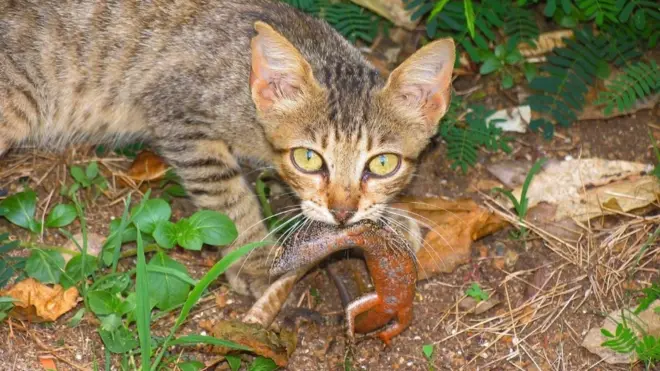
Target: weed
476,292
428,354
521,205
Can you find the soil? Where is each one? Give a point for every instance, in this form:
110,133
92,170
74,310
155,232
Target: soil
323,346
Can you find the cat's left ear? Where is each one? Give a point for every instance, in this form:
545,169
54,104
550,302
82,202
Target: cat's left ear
422,83
280,75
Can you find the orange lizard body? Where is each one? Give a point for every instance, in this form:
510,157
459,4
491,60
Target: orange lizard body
390,264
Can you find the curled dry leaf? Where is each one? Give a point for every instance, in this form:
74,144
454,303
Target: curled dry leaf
546,42
585,188
454,225
147,166
38,302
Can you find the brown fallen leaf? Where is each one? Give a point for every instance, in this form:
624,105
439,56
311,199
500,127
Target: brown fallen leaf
261,341
94,244
585,188
454,225
147,166
38,302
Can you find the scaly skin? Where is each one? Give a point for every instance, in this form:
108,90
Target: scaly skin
392,269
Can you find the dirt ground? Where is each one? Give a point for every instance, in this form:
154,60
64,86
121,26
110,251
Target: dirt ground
576,299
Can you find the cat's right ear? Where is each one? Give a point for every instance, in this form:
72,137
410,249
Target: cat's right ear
280,76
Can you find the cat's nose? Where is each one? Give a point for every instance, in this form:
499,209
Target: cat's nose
342,215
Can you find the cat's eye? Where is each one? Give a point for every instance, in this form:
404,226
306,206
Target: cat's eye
307,160
384,164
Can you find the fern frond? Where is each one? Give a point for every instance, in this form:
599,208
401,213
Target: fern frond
648,349
8,264
638,12
600,10
636,82
520,25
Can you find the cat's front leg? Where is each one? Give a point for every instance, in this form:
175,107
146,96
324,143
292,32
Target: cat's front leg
213,179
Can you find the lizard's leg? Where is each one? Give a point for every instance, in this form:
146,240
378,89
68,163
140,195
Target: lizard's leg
359,306
403,319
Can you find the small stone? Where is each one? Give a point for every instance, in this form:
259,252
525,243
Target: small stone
78,356
409,364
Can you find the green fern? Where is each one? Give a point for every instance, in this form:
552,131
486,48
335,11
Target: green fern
622,341
464,138
648,350
520,25
636,82
352,21
569,72
638,11
600,10
452,21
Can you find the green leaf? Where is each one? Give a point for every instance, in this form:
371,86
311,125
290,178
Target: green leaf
428,351
190,366
216,229
103,303
154,211
262,364
437,8
45,266
75,320
142,308
111,322
530,71
121,340
79,176
167,289
550,8
514,57
210,340
476,292
507,81
20,208
92,170
490,65
234,362
469,16
188,236
113,283
61,216
74,272
165,234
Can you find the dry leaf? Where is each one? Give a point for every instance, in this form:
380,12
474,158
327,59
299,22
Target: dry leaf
393,10
585,188
147,166
38,302
546,42
516,119
454,226
48,363
94,244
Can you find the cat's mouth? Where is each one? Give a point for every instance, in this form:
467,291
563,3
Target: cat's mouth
322,214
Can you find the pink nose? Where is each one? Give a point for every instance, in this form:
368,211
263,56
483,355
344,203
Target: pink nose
342,215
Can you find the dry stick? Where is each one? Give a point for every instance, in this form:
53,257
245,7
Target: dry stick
508,301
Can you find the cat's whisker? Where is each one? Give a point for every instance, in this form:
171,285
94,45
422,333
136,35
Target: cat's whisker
413,253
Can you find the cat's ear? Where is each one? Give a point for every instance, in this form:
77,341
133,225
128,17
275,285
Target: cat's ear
422,83
280,75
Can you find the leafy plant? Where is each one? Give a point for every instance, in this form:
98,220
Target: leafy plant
637,81
20,209
6,304
89,178
521,205
428,354
476,292
502,61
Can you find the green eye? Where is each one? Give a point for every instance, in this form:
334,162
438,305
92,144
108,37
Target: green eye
384,164
307,160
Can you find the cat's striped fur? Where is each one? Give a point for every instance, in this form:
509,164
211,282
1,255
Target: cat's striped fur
207,84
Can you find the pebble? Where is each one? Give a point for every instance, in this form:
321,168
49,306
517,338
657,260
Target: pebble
78,356
417,337
203,333
409,364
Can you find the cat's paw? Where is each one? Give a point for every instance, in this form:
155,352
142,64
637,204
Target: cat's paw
238,282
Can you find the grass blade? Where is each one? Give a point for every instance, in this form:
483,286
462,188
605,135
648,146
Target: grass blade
210,340
142,305
219,268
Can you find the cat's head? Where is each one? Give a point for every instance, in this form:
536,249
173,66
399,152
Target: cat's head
346,140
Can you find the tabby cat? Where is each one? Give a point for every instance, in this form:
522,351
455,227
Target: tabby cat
209,83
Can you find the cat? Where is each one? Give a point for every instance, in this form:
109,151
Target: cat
210,83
